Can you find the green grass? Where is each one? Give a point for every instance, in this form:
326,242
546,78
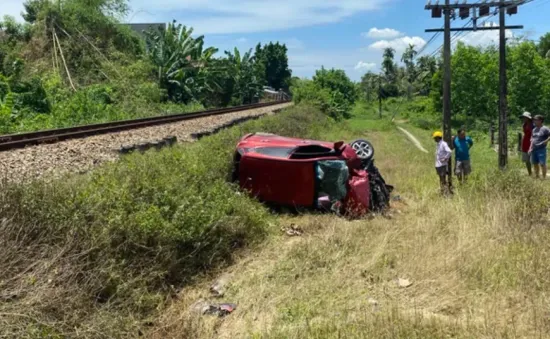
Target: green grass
103,255
122,238
476,261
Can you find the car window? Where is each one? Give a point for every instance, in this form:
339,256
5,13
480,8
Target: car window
279,152
313,149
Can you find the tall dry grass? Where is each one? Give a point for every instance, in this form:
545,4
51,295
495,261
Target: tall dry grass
101,255
477,262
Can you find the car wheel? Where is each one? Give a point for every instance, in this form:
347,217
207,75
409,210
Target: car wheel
363,148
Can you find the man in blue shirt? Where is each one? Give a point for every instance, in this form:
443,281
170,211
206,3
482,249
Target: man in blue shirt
462,145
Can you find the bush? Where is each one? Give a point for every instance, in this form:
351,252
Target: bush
332,103
122,235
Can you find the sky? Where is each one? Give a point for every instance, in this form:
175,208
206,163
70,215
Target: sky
344,34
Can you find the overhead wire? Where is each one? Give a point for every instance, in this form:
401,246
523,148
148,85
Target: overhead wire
458,34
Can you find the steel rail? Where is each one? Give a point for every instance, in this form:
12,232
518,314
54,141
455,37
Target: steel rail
21,140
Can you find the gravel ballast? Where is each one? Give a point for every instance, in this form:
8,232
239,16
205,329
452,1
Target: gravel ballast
80,155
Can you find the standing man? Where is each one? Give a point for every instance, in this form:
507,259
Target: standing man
442,155
539,140
462,145
526,140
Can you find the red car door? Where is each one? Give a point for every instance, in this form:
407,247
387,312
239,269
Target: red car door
281,181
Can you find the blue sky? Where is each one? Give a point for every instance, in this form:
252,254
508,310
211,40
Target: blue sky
345,34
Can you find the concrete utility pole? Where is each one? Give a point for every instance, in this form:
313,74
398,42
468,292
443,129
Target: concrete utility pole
380,96
447,78
503,98
464,9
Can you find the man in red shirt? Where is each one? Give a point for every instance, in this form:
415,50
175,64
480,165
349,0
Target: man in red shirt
526,141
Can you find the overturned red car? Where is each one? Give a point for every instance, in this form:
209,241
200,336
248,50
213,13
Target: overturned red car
312,174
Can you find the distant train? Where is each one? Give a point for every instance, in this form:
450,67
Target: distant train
270,94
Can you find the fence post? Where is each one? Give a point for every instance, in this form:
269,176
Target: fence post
492,133
519,142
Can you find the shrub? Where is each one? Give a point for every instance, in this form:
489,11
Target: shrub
122,235
332,103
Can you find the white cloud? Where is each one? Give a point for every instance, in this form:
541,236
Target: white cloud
384,33
245,16
361,65
242,40
237,16
399,44
293,43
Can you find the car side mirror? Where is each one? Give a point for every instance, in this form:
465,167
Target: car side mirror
338,145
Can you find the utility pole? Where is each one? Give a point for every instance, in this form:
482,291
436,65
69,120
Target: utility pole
479,9
380,96
447,87
503,100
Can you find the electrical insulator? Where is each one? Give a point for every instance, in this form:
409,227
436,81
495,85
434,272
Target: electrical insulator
464,12
436,12
512,10
483,10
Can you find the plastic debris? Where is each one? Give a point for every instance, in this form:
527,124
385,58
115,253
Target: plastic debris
292,230
403,282
221,310
219,287
374,304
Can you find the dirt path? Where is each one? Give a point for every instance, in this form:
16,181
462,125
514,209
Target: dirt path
413,139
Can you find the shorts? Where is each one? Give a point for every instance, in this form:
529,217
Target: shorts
525,157
538,156
441,171
463,167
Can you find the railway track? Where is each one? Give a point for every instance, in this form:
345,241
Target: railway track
21,140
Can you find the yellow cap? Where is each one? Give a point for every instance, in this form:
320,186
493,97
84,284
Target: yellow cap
437,134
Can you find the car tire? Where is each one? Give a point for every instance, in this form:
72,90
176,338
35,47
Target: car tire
364,149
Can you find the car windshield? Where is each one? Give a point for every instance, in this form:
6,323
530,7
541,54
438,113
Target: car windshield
279,152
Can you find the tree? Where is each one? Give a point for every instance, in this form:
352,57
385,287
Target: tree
369,85
272,65
32,10
408,59
474,88
181,61
341,89
527,78
388,65
544,45
245,86
426,68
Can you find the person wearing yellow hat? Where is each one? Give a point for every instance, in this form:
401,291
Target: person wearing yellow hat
442,156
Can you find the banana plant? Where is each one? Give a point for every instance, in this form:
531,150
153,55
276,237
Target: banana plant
246,85
184,67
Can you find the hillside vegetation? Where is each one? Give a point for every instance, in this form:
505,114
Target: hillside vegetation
125,250
72,62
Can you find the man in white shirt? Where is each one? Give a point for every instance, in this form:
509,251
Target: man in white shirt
442,156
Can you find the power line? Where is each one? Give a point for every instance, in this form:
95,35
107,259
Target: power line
458,34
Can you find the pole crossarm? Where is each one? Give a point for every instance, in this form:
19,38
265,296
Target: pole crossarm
472,29
475,5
